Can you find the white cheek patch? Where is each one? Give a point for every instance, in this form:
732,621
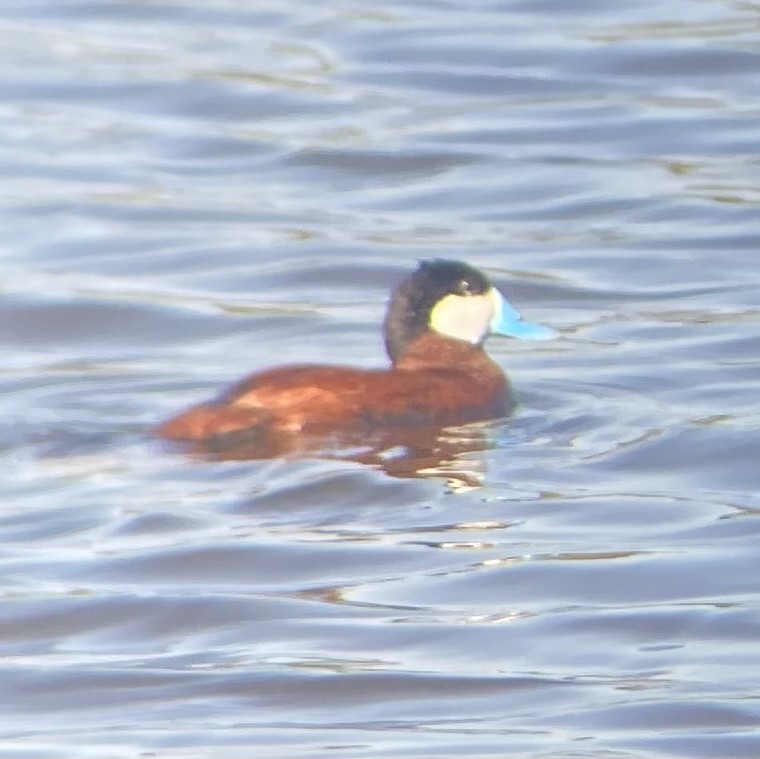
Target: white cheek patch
464,317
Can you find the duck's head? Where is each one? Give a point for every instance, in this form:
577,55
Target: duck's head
454,300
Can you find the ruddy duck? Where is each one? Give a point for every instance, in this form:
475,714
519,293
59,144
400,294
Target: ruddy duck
440,375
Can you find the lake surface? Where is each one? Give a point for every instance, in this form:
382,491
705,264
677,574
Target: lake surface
196,190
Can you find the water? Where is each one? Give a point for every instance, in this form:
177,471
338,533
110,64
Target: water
195,190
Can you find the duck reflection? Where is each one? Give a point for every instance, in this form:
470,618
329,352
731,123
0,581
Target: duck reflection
443,453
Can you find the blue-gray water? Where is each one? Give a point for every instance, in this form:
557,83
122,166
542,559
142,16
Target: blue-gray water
192,190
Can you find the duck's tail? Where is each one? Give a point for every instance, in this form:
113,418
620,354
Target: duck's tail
215,426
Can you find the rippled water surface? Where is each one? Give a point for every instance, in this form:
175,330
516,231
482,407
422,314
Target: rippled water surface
194,190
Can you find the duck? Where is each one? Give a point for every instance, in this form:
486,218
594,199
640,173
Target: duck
437,321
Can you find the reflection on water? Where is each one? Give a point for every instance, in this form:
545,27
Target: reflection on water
426,452
195,190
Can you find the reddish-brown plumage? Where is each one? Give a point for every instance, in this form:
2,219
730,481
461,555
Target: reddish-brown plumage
440,376
436,382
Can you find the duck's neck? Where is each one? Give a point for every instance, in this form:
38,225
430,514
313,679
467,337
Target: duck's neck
431,350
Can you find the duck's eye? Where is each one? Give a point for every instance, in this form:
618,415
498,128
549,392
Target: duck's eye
463,288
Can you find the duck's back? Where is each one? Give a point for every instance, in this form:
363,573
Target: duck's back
436,382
